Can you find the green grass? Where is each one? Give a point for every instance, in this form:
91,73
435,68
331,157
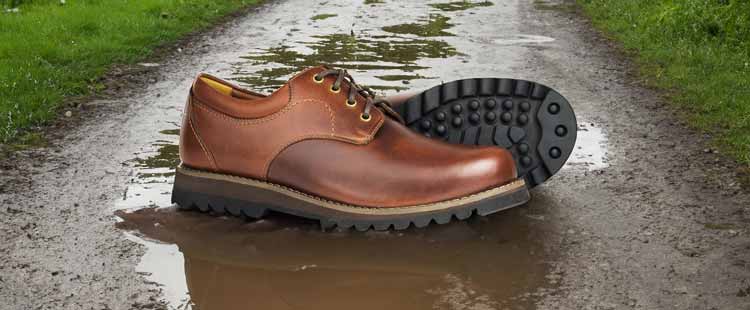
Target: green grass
697,50
50,51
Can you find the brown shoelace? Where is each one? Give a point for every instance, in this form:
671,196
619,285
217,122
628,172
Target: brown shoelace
371,99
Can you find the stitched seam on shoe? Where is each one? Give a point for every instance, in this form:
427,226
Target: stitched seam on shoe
244,122
509,184
333,118
209,156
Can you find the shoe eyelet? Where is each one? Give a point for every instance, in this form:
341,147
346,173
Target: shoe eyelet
316,80
351,104
335,90
365,118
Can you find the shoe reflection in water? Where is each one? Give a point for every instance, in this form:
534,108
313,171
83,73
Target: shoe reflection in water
283,262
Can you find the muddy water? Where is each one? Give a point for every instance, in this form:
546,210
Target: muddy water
204,261
282,262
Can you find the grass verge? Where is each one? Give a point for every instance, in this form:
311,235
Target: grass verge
697,50
50,51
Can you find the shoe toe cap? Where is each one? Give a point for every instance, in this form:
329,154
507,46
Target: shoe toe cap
489,167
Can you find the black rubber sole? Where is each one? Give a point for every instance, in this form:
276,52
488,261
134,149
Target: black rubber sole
535,123
194,189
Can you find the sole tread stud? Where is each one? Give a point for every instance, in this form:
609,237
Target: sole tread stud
450,91
490,117
523,119
522,88
490,104
539,92
468,87
401,225
463,214
382,226
413,111
474,105
475,118
487,87
506,117
421,222
486,135
443,218
505,87
430,100
470,136
457,122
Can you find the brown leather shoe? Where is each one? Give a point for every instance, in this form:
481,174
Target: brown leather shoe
324,148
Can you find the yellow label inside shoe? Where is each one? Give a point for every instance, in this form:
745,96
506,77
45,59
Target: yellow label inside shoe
224,89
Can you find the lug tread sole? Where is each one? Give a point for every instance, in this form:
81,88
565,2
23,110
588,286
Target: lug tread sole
188,196
534,122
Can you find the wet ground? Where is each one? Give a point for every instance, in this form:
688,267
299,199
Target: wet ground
640,217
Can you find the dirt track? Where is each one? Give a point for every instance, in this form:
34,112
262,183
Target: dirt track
645,215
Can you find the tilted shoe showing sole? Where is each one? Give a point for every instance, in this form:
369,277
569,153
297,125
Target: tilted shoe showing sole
323,147
535,123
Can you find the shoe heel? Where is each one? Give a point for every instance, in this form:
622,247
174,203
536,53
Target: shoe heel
191,193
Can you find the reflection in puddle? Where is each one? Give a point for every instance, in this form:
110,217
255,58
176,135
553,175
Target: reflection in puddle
521,39
283,262
591,148
459,5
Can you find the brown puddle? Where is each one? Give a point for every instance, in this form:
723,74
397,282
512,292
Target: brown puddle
282,262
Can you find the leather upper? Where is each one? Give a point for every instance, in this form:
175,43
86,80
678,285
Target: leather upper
306,137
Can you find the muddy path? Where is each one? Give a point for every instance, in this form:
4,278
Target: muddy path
644,215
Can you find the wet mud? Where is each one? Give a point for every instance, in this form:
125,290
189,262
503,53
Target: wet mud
640,217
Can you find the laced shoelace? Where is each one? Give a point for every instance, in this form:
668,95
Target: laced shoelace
372,100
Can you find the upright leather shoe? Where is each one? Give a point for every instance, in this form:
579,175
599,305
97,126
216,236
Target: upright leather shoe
324,148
